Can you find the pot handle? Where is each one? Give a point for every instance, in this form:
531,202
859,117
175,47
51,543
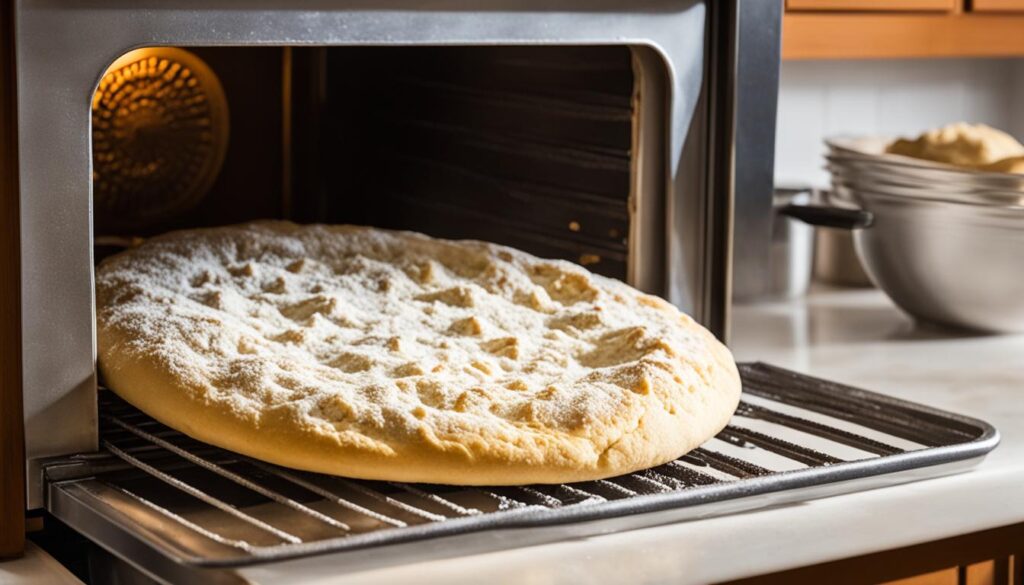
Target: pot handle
833,217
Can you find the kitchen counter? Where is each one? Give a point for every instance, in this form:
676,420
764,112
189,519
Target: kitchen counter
855,337
851,336
36,567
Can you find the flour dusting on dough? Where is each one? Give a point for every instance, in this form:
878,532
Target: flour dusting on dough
398,356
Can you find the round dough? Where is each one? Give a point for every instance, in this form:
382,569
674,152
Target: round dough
961,144
393,356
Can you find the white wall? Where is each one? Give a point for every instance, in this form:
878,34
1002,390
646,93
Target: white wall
900,97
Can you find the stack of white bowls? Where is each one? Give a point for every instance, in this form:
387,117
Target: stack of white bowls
945,243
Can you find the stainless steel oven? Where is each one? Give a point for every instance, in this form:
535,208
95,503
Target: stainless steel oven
603,133
634,138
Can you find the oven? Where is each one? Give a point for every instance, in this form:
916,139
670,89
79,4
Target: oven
600,134
634,138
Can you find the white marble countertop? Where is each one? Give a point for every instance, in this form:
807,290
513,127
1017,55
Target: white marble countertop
855,337
36,567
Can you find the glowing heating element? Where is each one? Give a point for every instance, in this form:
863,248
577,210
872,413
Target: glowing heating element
159,136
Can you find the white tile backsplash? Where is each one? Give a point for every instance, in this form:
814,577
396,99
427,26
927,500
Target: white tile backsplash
1017,100
897,97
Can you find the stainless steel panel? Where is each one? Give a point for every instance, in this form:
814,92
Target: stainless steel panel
755,87
65,45
647,204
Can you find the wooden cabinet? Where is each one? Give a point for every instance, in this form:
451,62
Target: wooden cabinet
879,29
12,445
880,5
997,5
984,573
991,557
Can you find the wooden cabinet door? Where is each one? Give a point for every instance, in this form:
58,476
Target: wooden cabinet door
876,5
996,5
12,438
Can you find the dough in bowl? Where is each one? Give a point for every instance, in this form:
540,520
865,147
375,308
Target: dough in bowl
394,356
961,144
1013,165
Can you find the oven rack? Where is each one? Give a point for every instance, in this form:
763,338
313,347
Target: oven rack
175,507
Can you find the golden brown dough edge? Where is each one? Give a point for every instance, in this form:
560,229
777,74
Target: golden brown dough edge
687,429
658,439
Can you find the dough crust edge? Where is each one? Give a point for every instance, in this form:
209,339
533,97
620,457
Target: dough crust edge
659,437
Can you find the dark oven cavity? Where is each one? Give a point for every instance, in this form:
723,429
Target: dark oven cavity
532,147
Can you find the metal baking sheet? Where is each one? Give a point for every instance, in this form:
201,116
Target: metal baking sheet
180,509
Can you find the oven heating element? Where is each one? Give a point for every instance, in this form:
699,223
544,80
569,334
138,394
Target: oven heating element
181,509
160,135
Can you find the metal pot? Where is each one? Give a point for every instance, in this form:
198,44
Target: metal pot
947,262
791,254
792,249
835,260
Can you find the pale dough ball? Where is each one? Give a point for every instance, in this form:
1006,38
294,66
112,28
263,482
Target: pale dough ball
961,144
1014,164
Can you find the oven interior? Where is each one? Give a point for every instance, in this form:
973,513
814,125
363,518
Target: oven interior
529,146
